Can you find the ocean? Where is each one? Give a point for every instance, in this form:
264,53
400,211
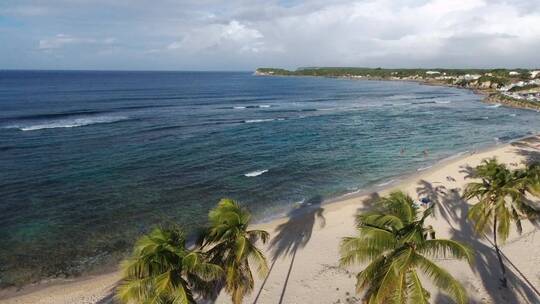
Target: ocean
91,160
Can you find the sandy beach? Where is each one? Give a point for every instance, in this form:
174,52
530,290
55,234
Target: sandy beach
303,251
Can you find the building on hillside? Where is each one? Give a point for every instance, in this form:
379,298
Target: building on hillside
471,76
534,73
513,73
433,72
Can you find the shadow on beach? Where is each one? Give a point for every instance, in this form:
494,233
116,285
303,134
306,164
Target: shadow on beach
531,155
294,234
452,208
369,203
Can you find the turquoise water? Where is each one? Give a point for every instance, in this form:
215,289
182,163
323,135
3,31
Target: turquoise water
90,160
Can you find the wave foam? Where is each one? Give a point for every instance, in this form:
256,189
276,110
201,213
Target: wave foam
69,123
262,120
250,107
386,183
256,173
401,96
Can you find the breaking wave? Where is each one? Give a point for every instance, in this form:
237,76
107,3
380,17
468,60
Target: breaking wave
256,173
262,120
68,123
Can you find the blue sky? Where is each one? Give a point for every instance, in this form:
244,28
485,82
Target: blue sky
243,35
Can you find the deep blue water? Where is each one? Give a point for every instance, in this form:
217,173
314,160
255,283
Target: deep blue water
89,160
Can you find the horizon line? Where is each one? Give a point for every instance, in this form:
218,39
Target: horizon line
261,67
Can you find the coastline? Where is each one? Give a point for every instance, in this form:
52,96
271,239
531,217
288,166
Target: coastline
490,96
319,252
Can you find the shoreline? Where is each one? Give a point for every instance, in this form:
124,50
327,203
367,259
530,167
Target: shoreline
490,96
95,288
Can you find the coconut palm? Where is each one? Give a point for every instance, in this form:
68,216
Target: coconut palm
162,270
393,241
502,199
232,246
528,180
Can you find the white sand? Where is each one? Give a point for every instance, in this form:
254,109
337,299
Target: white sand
306,247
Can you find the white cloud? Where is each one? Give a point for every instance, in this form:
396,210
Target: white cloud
221,37
239,34
405,33
63,40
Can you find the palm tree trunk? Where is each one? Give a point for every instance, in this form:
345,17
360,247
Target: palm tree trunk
503,269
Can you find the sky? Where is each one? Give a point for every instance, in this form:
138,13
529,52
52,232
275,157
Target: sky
246,34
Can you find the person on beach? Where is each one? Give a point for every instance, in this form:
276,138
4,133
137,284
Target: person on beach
425,202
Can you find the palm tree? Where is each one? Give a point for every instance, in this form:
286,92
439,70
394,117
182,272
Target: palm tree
528,180
393,240
232,246
162,270
501,196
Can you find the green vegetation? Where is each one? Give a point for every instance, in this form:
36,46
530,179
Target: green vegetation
483,80
273,71
501,81
392,239
379,72
395,243
513,102
502,200
232,246
162,270
524,88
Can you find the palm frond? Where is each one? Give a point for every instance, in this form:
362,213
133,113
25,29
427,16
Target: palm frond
442,279
371,276
503,219
380,220
400,205
481,215
446,249
396,265
418,295
257,257
232,246
256,235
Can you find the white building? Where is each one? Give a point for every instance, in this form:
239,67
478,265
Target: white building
433,72
471,76
513,73
534,73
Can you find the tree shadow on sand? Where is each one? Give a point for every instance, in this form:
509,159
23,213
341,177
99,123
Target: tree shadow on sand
468,171
531,155
369,203
294,234
454,210
108,299
437,195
